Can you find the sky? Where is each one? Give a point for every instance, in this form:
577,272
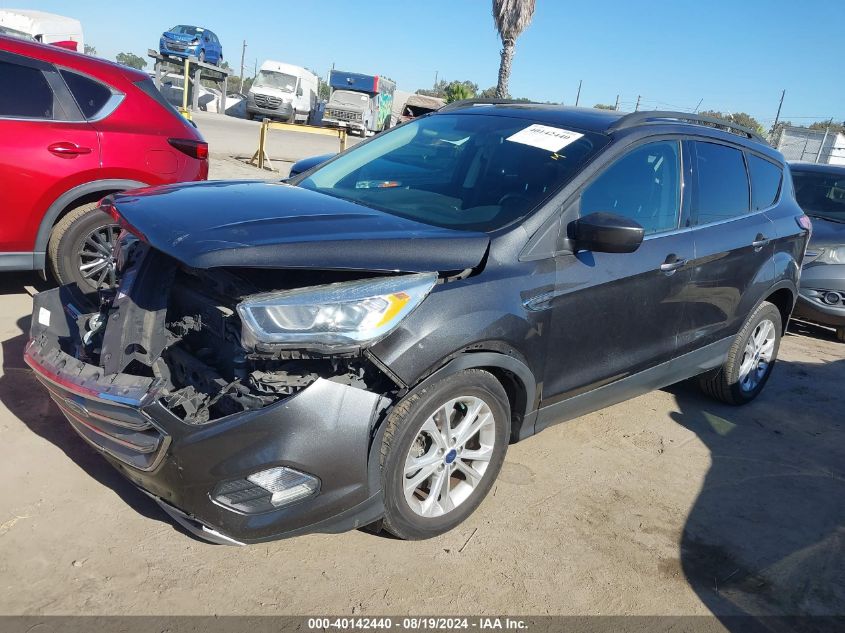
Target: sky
731,56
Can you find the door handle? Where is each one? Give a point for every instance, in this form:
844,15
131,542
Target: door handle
672,263
760,241
67,150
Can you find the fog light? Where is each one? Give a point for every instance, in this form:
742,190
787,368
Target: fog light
285,484
831,298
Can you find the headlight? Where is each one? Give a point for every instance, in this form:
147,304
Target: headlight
832,255
342,315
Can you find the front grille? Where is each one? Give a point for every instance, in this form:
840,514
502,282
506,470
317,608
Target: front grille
266,101
122,432
176,46
344,115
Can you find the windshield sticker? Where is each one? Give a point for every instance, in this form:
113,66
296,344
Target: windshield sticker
552,139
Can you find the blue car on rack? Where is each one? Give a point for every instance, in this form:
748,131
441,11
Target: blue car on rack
191,41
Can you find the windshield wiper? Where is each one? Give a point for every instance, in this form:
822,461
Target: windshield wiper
826,217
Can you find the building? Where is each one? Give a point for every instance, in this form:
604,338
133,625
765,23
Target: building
811,146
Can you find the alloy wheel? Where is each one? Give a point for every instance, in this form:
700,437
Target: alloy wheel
449,456
96,257
757,355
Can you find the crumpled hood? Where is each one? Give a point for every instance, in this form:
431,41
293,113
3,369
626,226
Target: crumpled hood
261,224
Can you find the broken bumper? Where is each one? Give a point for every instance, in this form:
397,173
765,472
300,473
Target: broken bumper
325,430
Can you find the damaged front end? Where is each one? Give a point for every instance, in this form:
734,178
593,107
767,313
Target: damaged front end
240,433
230,374
183,328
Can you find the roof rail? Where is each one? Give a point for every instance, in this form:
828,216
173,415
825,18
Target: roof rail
646,116
466,103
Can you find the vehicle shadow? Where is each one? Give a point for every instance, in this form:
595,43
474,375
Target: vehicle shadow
27,400
766,535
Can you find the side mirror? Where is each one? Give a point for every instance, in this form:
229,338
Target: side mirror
299,91
606,233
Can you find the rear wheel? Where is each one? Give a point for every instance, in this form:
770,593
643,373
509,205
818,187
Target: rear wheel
80,249
443,448
750,359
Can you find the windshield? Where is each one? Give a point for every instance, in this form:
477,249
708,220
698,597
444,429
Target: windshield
273,79
348,98
186,30
820,194
472,172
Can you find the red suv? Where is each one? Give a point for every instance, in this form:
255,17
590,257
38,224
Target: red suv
73,129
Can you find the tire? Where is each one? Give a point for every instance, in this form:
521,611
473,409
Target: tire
292,118
733,382
840,334
201,57
250,116
69,249
413,432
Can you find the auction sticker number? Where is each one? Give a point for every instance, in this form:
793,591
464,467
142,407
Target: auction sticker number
552,139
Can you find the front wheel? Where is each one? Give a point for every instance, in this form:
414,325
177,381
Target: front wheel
201,57
840,334
750,359
443,447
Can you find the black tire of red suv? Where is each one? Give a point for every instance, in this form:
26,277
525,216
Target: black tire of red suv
405,427
725,382
67,241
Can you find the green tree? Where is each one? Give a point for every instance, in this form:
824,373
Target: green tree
90,50
131,59
603,106
512,17
739,118
835,127
458,90
439,90
490,93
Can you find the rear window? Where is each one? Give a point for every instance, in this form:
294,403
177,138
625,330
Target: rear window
24,92
149,87
765,182
720,189
90,95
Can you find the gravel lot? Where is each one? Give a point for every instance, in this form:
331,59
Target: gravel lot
667,504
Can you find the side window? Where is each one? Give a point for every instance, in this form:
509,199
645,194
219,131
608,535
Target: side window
24,92
765,182
643,185
720,191
90,95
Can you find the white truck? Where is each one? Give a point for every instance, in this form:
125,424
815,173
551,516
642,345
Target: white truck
282,91
47,28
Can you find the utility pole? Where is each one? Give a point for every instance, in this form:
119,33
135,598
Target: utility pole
698,106
436,72
243,52
578,96
255,69
616,107
637,108
780,105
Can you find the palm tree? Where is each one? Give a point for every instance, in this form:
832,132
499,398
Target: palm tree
512,17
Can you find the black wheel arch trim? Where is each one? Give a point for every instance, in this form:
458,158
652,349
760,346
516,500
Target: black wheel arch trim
66,199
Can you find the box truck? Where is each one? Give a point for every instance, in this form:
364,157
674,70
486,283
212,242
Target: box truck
360,103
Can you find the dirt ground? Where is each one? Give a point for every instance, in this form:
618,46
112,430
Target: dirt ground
667,504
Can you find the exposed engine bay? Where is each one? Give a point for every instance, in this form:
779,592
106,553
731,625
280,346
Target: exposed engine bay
180,326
